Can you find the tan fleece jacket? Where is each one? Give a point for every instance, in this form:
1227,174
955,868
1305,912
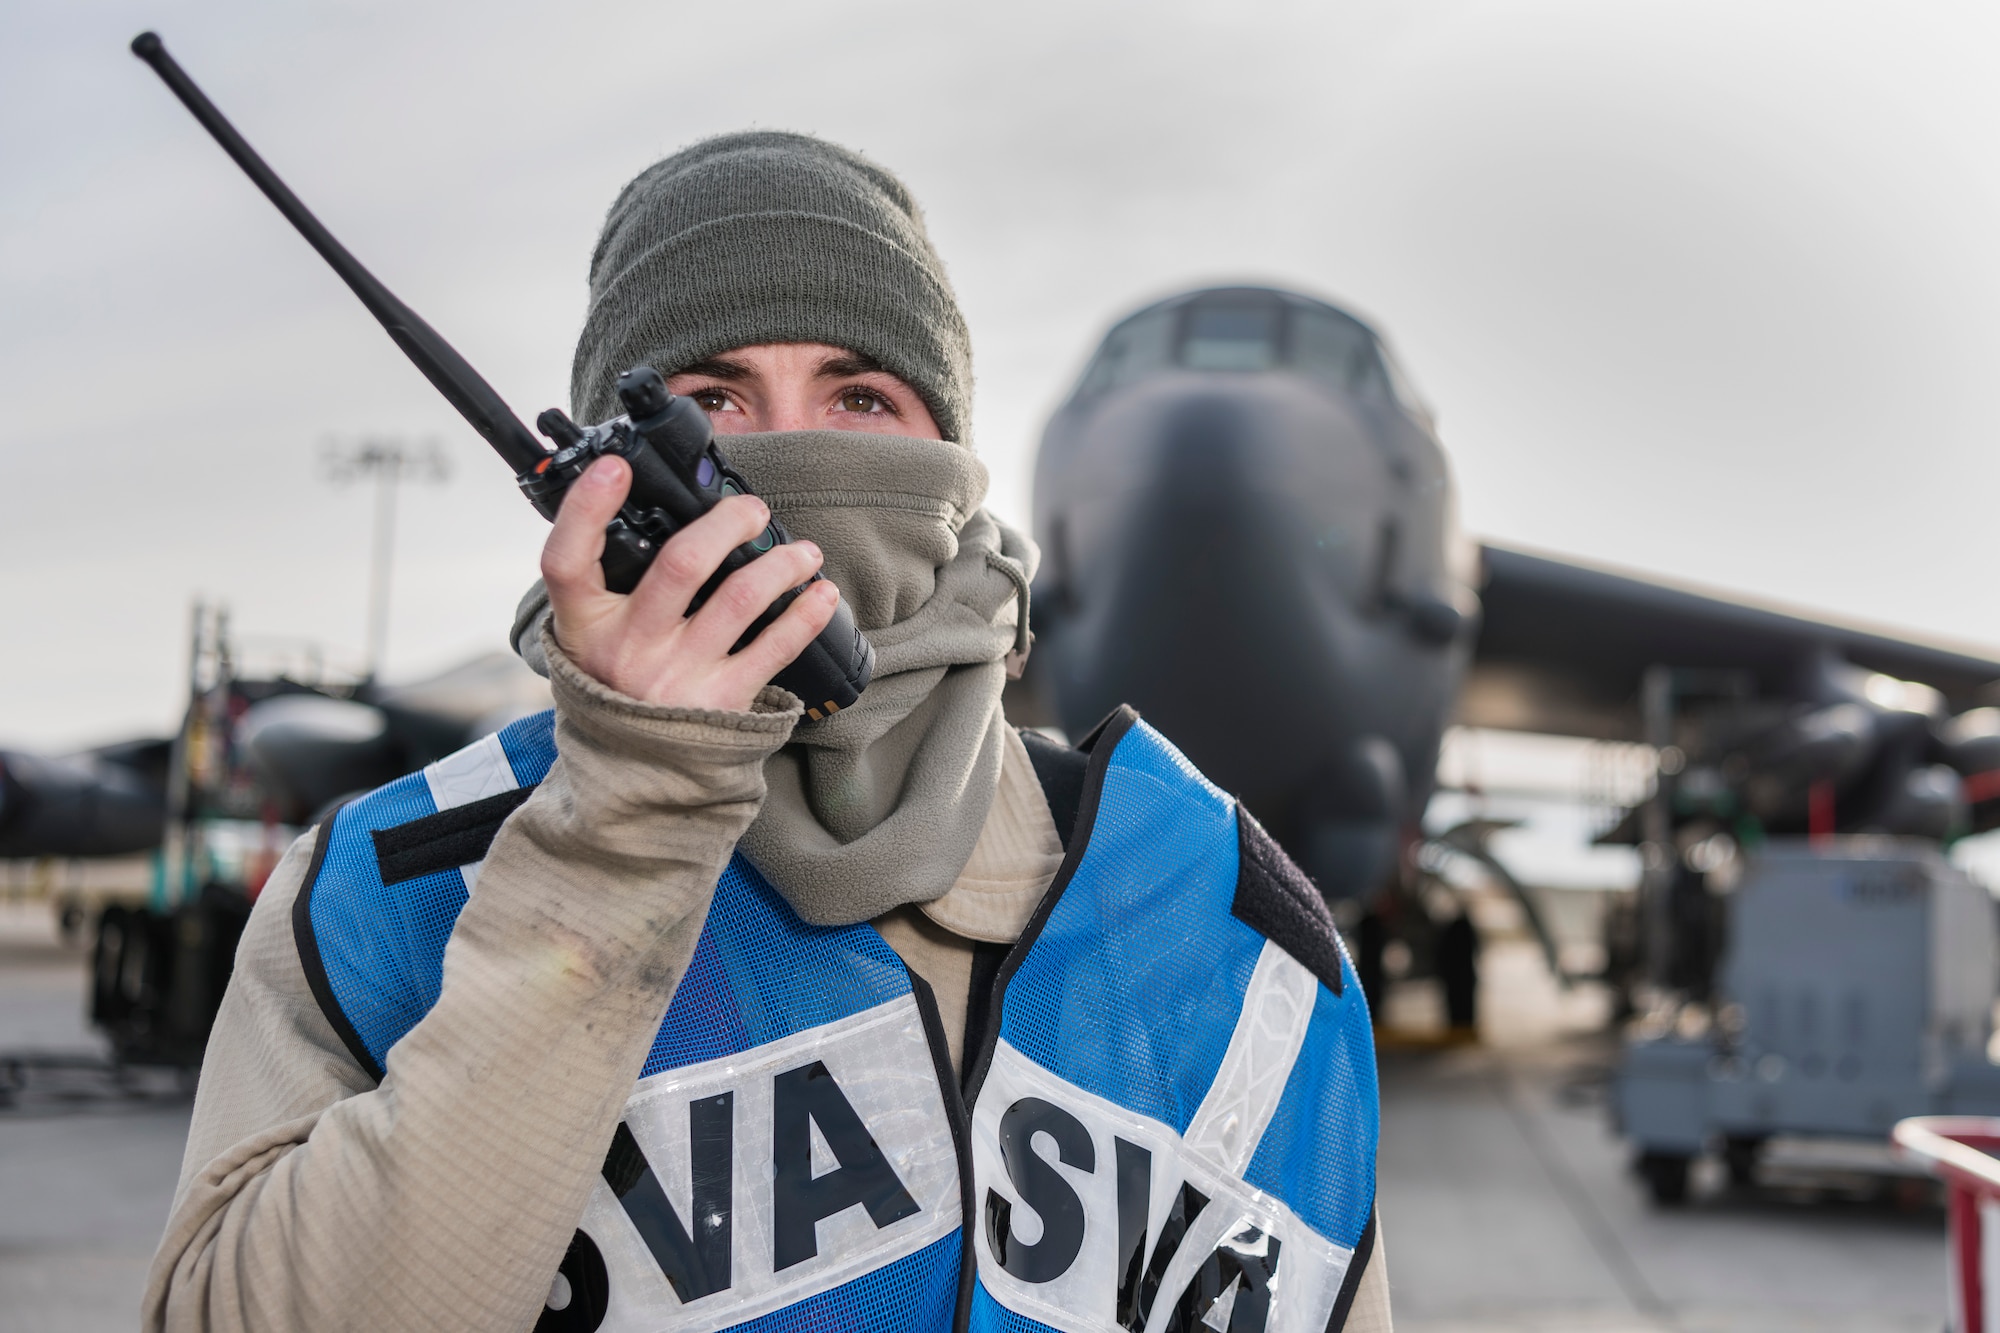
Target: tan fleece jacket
311,1199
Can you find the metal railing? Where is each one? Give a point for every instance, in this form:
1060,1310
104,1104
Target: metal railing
1959,1150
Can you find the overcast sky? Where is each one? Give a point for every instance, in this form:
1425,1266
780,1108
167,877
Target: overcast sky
1706,290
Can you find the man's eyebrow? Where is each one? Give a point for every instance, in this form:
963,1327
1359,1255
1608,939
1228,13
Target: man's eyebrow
850,363
717,368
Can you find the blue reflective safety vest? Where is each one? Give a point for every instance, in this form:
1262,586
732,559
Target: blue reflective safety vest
1168,1123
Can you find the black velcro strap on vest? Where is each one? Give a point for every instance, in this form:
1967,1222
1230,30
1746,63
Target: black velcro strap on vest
446,840
1275,899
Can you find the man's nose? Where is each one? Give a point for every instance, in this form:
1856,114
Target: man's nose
787,412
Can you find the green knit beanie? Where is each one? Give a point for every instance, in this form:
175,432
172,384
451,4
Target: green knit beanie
763,237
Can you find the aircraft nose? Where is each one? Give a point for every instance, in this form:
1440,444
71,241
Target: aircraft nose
1215,537
1238,554
1272,491
1214,447
1239,491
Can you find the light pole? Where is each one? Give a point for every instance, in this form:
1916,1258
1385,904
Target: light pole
390,460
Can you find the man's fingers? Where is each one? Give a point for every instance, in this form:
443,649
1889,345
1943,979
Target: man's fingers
569,557
746,594
786,637
692,555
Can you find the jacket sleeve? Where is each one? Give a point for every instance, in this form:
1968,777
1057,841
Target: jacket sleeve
445,1198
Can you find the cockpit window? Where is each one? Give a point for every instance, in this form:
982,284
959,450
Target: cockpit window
1336,350
1143,345
1230,337
1245,331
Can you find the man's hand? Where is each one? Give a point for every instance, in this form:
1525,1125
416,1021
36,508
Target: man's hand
646,645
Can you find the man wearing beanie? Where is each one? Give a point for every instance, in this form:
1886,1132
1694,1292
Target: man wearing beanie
935,1024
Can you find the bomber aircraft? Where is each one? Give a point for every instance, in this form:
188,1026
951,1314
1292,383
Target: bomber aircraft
1249,532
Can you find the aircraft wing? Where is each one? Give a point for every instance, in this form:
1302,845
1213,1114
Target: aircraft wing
1562,647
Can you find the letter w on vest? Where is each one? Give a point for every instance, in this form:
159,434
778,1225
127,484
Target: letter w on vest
1093,1218
745,1184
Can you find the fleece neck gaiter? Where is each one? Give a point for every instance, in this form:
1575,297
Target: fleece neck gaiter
880,805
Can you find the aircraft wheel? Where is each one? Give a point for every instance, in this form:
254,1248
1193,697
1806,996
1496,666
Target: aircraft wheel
1458,969
1369,938
1739,1155
70,921
1666,1176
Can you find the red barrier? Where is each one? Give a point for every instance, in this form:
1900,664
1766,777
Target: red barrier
1959,1150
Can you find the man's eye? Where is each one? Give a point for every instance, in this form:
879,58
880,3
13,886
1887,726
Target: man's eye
860,400
711,400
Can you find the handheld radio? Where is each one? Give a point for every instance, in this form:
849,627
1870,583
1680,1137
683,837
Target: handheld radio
678,474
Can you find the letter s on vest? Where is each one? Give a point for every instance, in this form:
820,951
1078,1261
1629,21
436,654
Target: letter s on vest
1095,1219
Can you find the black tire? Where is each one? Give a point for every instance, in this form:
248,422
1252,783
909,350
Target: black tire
1739,1155
1458,970
1666,1176
1370,937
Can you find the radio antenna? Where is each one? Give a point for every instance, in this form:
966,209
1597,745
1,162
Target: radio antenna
462,386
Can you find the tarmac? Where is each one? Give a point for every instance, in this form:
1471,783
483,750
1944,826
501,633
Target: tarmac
1508,1202
1506,1199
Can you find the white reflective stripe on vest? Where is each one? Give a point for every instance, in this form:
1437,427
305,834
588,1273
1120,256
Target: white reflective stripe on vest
1277,1010
881,1063
478,771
